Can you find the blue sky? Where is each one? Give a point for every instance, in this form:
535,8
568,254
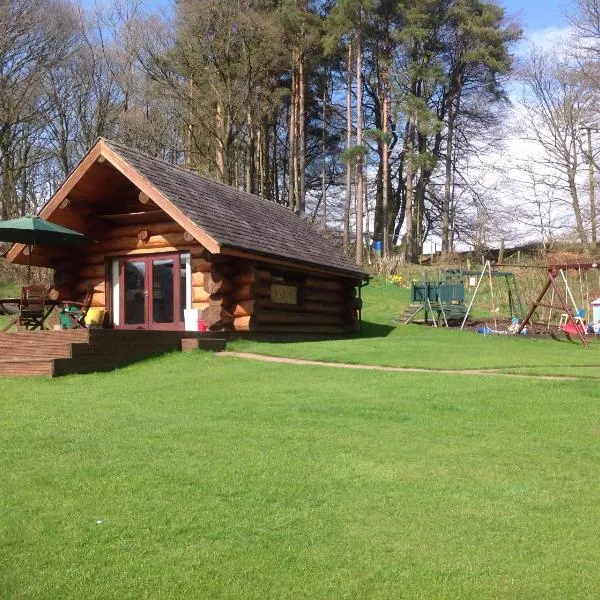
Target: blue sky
536,15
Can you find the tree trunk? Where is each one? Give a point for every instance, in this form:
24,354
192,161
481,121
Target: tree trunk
448,183
301,153
385,171
359,141
324,158
408,205
592,191
219,149
250,156
577,208
348,203
292,128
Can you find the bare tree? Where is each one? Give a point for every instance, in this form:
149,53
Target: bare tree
556,105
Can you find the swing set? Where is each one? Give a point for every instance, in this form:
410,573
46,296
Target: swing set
572,318
515,305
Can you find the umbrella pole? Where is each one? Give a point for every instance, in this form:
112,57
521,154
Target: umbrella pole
29,266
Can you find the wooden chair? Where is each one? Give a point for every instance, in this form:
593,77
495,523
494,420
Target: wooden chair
72,314
32,309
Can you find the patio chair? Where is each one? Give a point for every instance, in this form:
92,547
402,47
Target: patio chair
32,310
72,314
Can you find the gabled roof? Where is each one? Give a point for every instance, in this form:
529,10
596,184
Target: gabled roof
236,219
223,219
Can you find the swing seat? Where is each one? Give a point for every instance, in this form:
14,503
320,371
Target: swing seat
576,329
578,317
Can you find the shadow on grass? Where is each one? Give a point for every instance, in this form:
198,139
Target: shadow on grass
368,330
374,330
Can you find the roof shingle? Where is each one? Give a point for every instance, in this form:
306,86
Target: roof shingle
237,219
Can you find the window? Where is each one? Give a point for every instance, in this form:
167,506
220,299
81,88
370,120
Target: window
286,289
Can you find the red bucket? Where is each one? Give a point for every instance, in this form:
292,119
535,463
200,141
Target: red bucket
201,325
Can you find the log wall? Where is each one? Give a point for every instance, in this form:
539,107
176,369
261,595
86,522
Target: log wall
85,268
231,293
324,304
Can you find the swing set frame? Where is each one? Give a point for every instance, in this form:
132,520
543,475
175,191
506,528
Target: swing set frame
555,271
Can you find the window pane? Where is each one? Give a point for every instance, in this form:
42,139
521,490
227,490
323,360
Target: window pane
182,287
163,300
135,287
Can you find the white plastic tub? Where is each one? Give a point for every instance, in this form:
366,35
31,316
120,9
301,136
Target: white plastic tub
190,319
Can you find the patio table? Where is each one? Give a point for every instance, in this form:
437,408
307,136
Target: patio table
48,304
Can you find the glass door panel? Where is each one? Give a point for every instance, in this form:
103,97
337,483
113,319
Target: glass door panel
163,291
152,292
135,292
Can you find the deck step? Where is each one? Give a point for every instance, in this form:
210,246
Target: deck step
53,353
23,367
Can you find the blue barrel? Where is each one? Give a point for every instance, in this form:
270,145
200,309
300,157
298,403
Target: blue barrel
377,246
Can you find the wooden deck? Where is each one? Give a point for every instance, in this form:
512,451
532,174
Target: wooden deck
52,353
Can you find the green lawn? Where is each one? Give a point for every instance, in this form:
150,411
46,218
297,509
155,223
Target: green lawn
383,342
198,476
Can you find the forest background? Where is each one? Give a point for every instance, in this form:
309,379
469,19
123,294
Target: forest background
390,121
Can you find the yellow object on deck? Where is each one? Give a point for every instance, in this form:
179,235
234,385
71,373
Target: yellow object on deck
94,316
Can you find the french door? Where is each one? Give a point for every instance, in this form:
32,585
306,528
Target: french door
152,292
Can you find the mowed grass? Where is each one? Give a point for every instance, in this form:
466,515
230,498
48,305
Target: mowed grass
384,342
196,476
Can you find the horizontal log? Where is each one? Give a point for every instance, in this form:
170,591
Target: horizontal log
244,309
242,323
90,257
67,278
215,282
98,300
293,318
323,307
220,300
248,324
65,292
304,307
200,305
199,294
196,250
251,276
324,284
146,251
67,264
156,242
200,265
158,228
355,304
85,285
92,271
198,279
251,291
216,317
326,296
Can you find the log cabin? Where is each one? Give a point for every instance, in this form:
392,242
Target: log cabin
169,241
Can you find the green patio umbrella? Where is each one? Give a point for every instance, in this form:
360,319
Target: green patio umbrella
33,231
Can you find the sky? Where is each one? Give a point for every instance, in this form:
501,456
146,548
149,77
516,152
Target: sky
539,16
536,15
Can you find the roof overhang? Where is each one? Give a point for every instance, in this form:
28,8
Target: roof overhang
299,265
102,152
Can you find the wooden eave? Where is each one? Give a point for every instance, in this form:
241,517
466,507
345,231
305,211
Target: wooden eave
101,149
296,266
88,160
159,199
